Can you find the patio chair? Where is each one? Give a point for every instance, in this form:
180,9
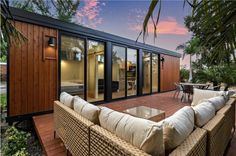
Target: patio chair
215,88
177,90
187,91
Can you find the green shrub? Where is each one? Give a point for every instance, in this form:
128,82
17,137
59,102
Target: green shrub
222,73
184,74
22,152
3,58
15,142
3,102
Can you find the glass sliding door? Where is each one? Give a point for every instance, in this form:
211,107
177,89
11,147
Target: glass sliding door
95,71
131,72
154,72
146,73
118,72
72,65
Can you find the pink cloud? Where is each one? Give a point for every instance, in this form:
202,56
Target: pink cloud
88,14
168,26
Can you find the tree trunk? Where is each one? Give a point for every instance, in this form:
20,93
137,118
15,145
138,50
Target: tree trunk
190,70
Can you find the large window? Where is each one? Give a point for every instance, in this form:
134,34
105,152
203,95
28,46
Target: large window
72,65
95,71
118,72
131,72
146,73
154,73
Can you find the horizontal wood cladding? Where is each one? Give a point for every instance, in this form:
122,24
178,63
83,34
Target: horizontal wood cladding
32,79
169,72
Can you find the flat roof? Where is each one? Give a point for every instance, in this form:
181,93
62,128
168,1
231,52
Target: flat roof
29,17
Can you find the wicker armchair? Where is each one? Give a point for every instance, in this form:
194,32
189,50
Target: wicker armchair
73,129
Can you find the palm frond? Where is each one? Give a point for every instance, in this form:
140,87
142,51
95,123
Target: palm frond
9,33
149,15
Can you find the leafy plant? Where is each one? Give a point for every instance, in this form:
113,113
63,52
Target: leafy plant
184,74
192,47
220,17
3,100
21,152
8,34
217,74
213,22
15,142
60,9
3,58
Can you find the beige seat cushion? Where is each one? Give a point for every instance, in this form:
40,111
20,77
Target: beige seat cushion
199,95
144,134
87,110
177,127
218,102
66,99
203,113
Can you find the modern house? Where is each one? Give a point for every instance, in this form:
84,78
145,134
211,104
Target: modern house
94,65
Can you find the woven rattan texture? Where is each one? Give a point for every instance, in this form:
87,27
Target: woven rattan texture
229,123
194,145
104,143
76,136
215,132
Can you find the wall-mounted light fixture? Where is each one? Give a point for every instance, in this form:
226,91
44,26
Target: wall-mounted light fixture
49,47
162,62
51,42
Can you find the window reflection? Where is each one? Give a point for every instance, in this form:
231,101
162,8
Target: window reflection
146,73
72,65
95,71
131,72
118,72
154,73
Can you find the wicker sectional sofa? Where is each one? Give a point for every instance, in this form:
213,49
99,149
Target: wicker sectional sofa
83,137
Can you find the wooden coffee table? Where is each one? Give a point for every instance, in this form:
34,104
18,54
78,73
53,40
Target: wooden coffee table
146,113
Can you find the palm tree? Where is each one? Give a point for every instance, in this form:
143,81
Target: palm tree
191,48
8,32
63,10
60,9
214,23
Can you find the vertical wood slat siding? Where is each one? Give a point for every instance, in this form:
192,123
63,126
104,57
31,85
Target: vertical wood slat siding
33,81
18,79
169,72
24,73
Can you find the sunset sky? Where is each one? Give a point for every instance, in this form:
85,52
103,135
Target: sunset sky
124,18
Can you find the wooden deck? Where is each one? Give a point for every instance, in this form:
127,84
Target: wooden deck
44,128
164,101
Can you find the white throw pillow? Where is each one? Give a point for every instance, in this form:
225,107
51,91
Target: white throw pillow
218,102
199,95
203,113
144,134
87,110
177,127
66,99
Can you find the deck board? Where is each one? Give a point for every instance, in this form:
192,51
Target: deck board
164,101
44,128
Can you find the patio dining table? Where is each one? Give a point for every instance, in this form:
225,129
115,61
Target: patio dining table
188,89
197,85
